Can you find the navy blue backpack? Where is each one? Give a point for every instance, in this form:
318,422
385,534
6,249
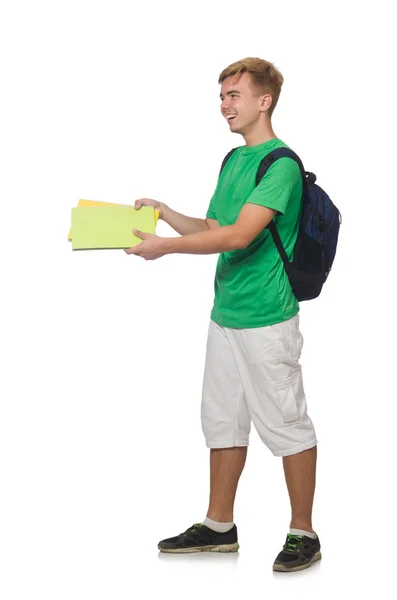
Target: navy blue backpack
315,247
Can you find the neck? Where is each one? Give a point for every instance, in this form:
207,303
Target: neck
262,133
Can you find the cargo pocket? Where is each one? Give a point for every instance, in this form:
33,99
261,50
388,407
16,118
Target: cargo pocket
286,394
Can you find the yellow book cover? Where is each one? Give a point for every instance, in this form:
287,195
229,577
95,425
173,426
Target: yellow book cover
89,203
101,227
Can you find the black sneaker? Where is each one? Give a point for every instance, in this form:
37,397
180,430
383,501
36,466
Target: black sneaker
200,538
299,552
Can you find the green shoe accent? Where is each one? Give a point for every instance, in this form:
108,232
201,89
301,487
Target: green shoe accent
290,546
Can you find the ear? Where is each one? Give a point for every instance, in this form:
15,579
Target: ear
266,102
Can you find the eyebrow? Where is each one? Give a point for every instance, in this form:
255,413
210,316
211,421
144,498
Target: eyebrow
230,92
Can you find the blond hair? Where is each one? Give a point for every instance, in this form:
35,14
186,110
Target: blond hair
265,78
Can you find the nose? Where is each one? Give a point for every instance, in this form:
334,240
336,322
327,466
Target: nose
225,105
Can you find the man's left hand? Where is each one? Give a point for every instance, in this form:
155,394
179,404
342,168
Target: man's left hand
150,248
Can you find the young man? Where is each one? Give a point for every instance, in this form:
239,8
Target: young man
252,370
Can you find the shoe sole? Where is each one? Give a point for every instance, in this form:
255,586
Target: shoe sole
222,548
284,569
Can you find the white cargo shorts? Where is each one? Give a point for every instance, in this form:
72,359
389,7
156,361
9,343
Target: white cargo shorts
255,375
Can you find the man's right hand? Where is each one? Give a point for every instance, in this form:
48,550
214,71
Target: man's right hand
180,223
149,202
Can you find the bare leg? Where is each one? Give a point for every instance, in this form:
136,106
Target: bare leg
300,476
226,466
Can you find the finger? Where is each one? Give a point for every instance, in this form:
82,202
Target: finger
139,234
138,204
133,250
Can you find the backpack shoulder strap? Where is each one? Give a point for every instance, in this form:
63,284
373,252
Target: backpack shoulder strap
271,158
228,155
263,167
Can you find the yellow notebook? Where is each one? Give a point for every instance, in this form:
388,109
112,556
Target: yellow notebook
99,203
98,227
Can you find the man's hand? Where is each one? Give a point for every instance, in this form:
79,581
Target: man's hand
150,248
150,202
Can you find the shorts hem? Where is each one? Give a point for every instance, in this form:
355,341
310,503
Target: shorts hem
227,444
296,449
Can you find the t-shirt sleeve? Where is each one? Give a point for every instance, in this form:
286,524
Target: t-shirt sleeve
211,214
276,187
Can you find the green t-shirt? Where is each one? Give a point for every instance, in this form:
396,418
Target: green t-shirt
251,286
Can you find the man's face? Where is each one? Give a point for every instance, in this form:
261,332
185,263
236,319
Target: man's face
238,99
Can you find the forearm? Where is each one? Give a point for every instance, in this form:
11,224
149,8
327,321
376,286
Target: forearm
212,241
181,223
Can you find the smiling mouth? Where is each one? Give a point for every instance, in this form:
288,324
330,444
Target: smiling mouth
231,118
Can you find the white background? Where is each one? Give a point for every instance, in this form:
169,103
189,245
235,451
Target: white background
101,448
